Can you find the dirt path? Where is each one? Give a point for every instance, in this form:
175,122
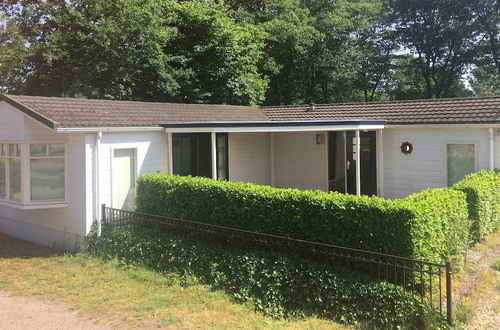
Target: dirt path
27,312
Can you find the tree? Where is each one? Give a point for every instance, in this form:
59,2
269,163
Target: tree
485,76
441,35
131,49
219,59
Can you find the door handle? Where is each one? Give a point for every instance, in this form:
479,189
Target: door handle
348,164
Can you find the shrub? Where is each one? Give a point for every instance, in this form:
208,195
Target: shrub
483,199
416,227
440,224
277,285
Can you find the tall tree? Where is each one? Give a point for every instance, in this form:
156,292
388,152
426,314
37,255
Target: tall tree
131,49
441,34
485,76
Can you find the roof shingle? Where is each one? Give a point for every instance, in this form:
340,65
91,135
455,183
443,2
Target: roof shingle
432,111
58,112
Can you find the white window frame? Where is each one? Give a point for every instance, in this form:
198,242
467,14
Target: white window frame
475,143
26,203
112,166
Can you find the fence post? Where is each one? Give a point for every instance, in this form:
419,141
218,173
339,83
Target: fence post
103,213
103,220
448,291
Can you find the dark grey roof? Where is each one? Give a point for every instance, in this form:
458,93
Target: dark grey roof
433,111
59,112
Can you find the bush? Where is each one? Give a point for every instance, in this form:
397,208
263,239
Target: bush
279,286
440,224
408,228
483,199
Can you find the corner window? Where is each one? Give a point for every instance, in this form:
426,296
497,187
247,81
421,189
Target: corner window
32,173
460,161
47,172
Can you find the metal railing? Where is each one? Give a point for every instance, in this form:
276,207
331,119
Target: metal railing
423,278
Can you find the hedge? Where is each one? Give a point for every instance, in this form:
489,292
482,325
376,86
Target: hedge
416,227
277,285
483,199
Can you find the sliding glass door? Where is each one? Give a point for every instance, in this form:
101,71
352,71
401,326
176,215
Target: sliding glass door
192,154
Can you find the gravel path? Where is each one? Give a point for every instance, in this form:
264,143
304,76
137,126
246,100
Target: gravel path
27,312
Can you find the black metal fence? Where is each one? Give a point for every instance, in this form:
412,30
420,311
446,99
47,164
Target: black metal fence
431,281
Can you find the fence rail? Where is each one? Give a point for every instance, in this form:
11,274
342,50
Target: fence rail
420,277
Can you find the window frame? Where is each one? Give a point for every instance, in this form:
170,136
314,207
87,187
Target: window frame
475,143
25,158
113,166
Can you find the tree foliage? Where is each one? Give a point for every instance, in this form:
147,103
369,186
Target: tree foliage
250,51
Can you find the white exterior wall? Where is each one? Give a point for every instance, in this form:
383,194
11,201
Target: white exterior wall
151,156
425,167
300,162
496,144
250,158
61,227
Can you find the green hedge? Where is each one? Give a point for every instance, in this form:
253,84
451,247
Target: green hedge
279,286
416,227
483,199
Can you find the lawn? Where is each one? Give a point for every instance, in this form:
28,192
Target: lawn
115,295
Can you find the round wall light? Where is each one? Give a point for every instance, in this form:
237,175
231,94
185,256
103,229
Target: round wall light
406,148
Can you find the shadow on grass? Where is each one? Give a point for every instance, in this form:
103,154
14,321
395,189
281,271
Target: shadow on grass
15,248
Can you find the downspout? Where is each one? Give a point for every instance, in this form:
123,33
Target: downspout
492,149
96,185
358,164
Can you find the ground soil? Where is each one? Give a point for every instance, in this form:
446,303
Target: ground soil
25,312
28,312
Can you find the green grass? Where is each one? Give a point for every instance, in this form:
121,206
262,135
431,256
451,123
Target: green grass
134,296
496,264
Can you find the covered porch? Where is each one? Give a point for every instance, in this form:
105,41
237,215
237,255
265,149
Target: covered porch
315,155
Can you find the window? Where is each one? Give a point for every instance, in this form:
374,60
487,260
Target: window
222,156
461,160
32,173
47,175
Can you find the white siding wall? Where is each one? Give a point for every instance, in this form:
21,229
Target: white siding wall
249,158
62,227
151,157
425,167
299,161
11,123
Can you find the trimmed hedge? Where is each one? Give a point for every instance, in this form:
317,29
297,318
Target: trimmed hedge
440,224
483,199
416,227
277,285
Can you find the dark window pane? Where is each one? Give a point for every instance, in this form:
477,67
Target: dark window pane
192,154
222,156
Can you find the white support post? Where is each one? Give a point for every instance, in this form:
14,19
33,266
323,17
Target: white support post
214,156
358,164
272,161
492,149
170,153
380,162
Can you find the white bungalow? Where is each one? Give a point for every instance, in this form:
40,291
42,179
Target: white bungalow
60,158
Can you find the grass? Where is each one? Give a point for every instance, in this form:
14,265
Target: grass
480,306
132,296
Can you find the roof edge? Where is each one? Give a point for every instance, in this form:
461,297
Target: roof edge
277,123
28,111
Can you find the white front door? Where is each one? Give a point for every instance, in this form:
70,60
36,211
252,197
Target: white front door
124,178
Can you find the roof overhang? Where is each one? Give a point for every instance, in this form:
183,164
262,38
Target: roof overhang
274,126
